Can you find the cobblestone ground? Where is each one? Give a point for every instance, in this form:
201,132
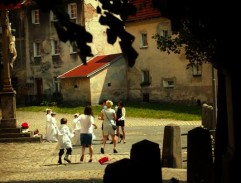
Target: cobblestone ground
37,162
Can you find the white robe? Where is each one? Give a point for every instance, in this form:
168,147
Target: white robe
51,130
76,129
64,137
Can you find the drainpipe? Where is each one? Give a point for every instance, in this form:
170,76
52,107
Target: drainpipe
214,97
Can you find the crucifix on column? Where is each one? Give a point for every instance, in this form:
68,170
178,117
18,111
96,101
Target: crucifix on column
8,94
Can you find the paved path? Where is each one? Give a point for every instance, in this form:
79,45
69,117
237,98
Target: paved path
37,162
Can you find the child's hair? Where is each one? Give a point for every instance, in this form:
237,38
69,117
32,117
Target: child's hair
88,110
63,121
48,110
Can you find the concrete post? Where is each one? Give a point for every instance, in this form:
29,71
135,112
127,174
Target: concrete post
172,150
146,157
199,156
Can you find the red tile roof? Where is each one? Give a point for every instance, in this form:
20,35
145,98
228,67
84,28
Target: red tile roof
94,65
145,10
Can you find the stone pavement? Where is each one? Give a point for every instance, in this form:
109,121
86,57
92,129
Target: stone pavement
37,162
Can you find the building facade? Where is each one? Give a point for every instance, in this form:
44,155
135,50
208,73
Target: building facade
159,76
156,76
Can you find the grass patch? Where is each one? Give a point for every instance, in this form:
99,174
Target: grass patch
134,109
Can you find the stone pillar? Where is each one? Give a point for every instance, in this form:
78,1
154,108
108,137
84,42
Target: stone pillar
8,95
8,105
146,158
199,156
143,166
172,150
208,120
120,171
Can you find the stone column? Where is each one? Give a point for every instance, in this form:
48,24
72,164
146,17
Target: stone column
199,156
8,94
172,149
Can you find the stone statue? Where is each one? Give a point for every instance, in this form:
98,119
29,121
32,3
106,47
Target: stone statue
12,47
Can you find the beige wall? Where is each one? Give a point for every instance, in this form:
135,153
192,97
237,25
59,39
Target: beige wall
162,65
99,45
76,90
111,83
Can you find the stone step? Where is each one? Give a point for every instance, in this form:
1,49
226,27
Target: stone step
15,135
21,139
10,130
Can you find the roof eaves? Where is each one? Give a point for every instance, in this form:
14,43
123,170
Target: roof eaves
98,70
142,19
71,77
69,71
104,66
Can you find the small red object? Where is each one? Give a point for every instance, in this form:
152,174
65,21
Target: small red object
103,160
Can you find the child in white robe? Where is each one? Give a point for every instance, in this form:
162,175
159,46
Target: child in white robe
52,129
76,129
64,139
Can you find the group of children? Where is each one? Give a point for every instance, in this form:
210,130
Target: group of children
63,134
83,129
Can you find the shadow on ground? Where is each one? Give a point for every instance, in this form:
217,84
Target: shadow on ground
75,181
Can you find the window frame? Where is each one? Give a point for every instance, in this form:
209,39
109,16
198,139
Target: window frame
164,29
73,48
36,49
55,47
72,10
144,40
145,78
53,17
35,16
57,84
197,70
168,82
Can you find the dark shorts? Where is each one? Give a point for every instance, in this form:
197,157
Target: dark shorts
120,123
86,138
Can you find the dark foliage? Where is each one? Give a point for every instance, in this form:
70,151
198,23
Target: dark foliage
195,28
116,26
77,34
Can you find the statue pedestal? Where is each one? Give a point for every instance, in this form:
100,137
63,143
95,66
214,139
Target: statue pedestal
8,106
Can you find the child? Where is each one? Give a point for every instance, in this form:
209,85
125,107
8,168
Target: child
64,139
52,129
76,129
48,122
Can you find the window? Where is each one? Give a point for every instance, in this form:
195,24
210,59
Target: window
55,47
72,10
57,84
145,78
53,17
196,70
73,48
144,40
165,33
35,16
168,83
36,49
164,28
